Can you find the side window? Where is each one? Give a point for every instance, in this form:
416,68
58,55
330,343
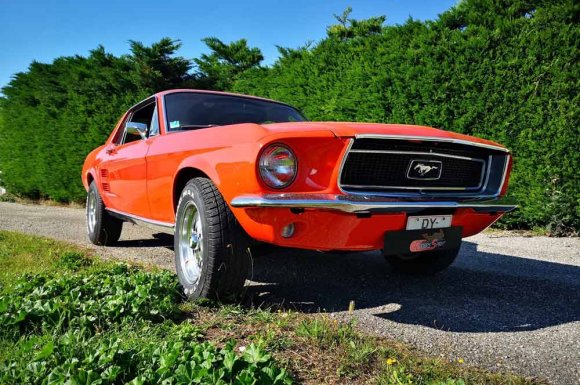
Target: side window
154,127
143,115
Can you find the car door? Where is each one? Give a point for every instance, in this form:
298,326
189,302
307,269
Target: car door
125,167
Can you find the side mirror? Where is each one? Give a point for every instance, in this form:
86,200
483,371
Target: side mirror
134,128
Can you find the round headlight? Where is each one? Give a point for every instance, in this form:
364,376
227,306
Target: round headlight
277,166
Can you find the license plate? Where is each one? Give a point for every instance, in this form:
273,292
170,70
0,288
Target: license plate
429,222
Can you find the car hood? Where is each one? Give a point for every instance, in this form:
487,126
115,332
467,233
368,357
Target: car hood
349,130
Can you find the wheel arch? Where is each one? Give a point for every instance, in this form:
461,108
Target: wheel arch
89,178
183,176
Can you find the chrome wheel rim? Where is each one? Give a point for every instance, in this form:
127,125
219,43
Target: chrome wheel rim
91,211
191,244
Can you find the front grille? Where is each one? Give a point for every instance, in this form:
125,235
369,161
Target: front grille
384,165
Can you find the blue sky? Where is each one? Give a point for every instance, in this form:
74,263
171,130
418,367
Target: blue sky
45,29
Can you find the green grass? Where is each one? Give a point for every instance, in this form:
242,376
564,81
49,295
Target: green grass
24,254
69,318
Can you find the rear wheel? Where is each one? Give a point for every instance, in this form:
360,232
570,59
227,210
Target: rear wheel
102,228
424,263
211,256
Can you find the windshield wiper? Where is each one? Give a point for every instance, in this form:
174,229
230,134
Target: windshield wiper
195,126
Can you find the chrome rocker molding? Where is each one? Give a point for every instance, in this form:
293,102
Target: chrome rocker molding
163,227
354,204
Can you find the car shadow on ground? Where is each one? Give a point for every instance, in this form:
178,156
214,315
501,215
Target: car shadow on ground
480,292
158,240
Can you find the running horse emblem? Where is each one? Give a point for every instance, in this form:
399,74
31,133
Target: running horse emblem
423,169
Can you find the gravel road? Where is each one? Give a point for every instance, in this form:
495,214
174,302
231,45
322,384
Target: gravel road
509,303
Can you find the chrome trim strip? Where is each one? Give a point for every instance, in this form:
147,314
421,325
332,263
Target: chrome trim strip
342,163
135,219
506,162
165,121
148,100
164,112
416,153
487,175
432,139
344,204
370,187
463,196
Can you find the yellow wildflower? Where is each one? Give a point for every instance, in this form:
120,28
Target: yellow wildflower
391,361
461,360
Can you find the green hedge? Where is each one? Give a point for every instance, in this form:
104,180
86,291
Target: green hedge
54,114
498,69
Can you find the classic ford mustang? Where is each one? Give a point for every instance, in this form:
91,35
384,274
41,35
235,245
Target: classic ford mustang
225,172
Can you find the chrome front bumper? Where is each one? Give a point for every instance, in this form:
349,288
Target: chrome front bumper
360,204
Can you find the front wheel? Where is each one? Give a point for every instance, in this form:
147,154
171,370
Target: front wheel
102,228
424,263
211,257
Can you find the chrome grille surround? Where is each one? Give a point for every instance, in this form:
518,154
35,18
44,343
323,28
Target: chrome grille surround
493,172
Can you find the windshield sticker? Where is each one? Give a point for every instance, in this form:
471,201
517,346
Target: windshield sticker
174,124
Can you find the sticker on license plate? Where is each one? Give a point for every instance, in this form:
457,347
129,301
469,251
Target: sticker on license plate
429,222
416,241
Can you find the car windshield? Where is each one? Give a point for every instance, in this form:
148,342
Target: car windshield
190,110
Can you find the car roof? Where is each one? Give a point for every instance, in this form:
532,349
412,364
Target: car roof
182,90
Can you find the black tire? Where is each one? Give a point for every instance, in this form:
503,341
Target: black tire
102,228
211,249
425,263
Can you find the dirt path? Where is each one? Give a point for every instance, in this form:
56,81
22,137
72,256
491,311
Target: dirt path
508,303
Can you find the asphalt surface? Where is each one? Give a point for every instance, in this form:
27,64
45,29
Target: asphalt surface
509,302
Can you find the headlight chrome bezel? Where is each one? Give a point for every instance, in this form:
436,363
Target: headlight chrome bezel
277,175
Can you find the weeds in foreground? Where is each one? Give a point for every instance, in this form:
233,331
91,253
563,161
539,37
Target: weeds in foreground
113,324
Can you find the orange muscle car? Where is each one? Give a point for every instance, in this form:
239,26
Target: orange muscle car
225,172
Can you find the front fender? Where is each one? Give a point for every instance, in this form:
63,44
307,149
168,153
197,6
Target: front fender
231,169
90,167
